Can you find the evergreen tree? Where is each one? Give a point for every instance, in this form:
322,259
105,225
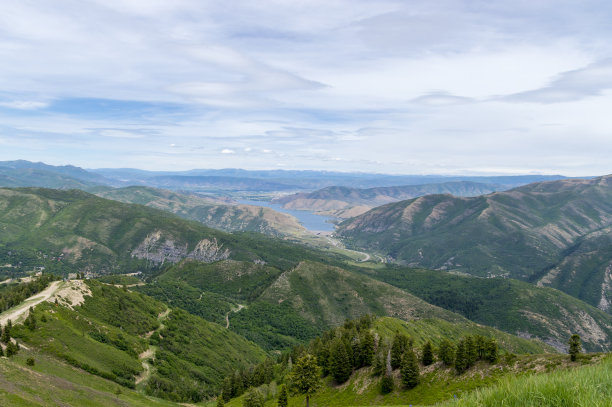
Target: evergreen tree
386,384
340,366
367,349
446,352
306,376
226,392
1,351
471,352
410,369
400,345
11,349
283,397
379,364
253,398
461,363
427,357
492,353
220,401
6,332
482,346
575,346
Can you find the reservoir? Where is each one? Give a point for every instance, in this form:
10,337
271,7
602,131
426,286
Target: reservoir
311,221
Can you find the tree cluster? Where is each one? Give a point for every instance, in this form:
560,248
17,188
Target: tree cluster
241,380
16,294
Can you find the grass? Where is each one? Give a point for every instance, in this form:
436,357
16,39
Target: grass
506,304
589,386
535,380
52,383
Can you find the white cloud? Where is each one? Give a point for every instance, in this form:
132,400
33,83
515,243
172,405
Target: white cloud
386,85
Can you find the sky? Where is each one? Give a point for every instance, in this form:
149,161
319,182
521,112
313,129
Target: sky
405,87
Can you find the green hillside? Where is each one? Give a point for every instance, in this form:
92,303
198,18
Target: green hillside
510,305
136,342
74,230
360,385
215,214
538,232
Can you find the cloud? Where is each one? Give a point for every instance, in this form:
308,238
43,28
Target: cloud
24,104
385,85
574,85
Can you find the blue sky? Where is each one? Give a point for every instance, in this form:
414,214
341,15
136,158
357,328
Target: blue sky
414,87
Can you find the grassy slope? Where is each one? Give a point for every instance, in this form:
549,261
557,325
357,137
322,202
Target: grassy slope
520,233
437,383
588,386
510,305
328,295
106,334
50,383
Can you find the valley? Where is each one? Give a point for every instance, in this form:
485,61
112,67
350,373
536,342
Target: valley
165,294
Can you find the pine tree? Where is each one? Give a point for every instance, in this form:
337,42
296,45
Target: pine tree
226,389
340,366
575,346
492,352
427,357
6,332
400,345
306,376
471,351
461,363
367,349
220,401
253,398
283,397
410,369
446,352
379,365
386,384
11,349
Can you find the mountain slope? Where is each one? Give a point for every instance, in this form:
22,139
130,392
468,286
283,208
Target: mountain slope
345,202
80,231
134,340
215,214
513,306
522,233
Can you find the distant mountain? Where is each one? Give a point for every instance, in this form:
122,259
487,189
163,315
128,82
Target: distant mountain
21,173
346,202
308,180
201,182
554,233
211,212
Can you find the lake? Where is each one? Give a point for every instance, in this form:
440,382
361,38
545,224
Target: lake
311,221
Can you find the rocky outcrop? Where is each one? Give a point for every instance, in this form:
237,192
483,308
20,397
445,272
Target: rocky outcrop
159,249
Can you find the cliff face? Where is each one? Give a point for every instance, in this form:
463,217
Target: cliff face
159,249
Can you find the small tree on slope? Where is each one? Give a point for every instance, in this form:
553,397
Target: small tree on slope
306,376
575,346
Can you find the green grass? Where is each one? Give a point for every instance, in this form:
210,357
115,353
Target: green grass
523,378
50,383
434,330
509,305
589,386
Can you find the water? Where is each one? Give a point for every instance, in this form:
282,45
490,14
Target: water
311,221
